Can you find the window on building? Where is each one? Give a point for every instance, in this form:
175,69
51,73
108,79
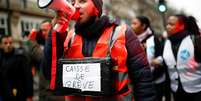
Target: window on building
27,27
2,21
24,3
3,25
2,31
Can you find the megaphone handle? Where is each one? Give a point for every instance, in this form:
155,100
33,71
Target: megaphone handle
60,27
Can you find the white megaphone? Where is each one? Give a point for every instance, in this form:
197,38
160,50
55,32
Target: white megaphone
60,5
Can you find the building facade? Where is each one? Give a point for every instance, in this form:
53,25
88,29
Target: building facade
18,17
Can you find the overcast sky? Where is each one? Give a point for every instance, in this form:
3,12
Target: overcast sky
192,7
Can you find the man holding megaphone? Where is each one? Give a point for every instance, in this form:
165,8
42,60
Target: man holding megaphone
98,59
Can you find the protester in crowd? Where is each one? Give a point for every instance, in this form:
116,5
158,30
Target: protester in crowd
1,52
36,42
141,26
97,37
153,45
15,73
182,57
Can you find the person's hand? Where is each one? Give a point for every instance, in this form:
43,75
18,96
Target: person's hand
157,62
32,35
61,22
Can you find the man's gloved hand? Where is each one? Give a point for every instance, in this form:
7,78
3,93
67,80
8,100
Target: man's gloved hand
61,22
32,35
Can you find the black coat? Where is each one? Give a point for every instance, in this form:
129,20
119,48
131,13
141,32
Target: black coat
15,73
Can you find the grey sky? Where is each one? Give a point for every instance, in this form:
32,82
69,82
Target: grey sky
192,7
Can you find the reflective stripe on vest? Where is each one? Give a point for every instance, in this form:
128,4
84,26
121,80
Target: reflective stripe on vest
180,70
54,61
118,53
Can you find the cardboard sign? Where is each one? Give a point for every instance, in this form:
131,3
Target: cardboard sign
86,77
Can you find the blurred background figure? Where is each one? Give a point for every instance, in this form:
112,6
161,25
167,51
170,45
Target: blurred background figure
35,45
15,73
36,41
1,52
141,26
153,45
182,55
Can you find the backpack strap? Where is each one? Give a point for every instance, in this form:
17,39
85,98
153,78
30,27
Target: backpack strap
114,35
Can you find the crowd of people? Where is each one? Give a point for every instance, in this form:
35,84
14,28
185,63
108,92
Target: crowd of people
102,59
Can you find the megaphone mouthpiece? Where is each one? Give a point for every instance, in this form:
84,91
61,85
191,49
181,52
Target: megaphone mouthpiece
44,3
58,5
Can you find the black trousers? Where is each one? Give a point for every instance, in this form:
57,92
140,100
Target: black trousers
163,90
181,95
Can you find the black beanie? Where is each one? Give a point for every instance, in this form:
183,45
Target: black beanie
99,5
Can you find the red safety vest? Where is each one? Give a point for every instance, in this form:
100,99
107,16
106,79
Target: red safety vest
118,53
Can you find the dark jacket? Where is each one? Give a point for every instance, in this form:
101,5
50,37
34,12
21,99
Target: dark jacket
15,73
137,63
36,54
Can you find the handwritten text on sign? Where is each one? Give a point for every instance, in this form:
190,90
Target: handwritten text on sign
82,76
